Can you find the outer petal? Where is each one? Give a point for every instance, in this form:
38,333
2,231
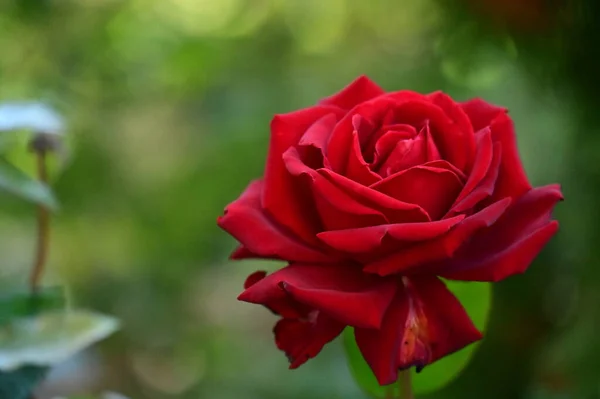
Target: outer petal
337,208
247,222
482,162
282,198
458,115
433,189
509,246
278,302
340,291
512,180
481,113
424,323
369,239
486,186
302,339
396,211
417,258
380,347
361,90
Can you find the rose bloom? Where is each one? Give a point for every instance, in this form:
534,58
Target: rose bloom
370,197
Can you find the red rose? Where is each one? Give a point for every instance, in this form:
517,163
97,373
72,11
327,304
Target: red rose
371,197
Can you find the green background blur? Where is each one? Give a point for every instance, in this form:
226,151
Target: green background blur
168,103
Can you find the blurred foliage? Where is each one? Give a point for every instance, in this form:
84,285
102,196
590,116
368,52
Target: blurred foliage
170,104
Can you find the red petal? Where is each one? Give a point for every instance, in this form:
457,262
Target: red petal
486,186
368,239
380,346
241,252
276,300
406,153
514,259
387,142
358,119
458,115
282,198
510,245
433,189
358,169
440,324
303,339
395,211
254,278
247,222
316,138
512,180
455,145
416,258
362,89
342,292
337,209
480,113
424,323
483,159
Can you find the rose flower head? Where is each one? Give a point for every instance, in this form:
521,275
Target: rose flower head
370,197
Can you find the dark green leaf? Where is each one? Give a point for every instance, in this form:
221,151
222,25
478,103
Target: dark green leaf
18,384
476,298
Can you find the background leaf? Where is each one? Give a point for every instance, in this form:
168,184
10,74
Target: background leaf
22,304
14,181
50,338
476,298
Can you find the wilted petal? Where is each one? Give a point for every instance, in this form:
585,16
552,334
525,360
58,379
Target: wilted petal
424,323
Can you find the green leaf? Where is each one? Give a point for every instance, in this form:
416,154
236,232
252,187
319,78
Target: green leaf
476,298
50,338
14,181
18,384
22,304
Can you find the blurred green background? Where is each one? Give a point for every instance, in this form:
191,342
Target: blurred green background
168,103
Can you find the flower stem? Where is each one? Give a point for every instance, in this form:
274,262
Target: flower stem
43,228
405,385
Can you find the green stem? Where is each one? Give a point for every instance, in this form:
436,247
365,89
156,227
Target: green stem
405,385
